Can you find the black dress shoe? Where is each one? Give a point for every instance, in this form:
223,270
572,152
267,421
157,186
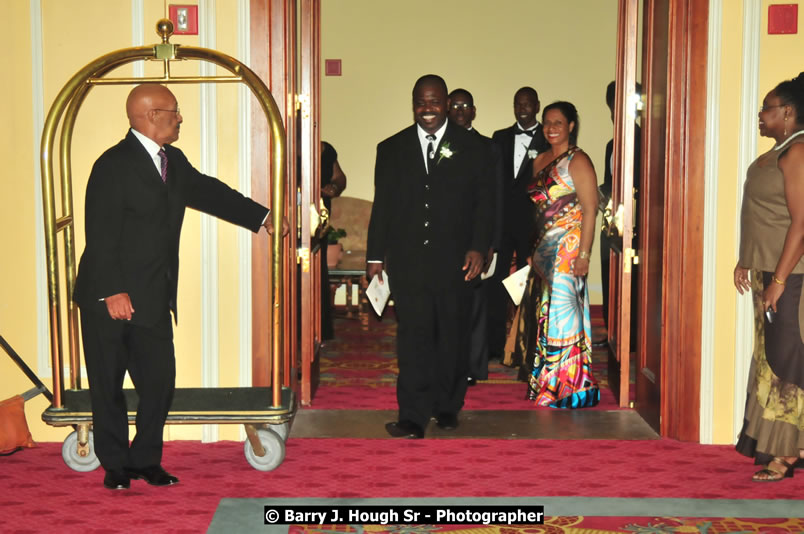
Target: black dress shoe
116,479
471,381
404,429
447,421
153,475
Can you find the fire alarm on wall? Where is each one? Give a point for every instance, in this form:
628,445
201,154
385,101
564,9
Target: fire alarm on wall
185,19
782,19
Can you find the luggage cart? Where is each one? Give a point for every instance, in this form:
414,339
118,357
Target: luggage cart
266,412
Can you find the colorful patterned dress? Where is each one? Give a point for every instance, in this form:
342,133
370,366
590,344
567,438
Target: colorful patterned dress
557,329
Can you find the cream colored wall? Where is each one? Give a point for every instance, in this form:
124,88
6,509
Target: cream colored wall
729,139
68,44
566,50
781,57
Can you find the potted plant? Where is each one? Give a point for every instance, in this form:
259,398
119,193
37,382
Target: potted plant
334,249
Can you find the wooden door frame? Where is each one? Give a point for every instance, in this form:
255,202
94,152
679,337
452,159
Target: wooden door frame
310,187
683,216
684,200
273,58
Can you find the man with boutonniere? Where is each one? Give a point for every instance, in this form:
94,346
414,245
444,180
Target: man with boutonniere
430,230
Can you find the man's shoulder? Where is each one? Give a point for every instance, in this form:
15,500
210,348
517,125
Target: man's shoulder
501,133
398,138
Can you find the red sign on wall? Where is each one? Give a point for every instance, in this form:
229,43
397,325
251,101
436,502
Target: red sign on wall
782,19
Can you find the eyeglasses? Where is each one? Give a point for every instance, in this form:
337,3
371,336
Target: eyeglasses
765,108
177,111
461,105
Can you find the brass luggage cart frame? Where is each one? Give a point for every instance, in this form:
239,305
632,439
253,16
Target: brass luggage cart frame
266,412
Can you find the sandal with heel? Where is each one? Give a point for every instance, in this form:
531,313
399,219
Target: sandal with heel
772,475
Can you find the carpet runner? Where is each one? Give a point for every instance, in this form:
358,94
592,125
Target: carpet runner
359,371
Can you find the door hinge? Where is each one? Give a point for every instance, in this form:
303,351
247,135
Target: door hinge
303,104
629,257
303,257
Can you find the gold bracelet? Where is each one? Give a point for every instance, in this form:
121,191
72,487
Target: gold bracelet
583,255
776,280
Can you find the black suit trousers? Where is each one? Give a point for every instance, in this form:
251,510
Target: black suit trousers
432,343
498,299
112,347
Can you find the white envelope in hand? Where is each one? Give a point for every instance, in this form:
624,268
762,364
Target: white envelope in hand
516,284
378,293
492,266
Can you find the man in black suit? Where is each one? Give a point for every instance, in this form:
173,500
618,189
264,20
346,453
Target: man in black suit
462,111
605,241
430,228
518,145
127,278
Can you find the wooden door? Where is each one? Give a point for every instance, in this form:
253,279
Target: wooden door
309,112
672,197
651,224
273,58
622,253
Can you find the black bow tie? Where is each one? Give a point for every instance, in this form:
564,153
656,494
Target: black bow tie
529,133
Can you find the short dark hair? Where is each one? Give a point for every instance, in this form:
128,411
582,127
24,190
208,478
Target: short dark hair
429,79
611,90
570,113
465,93
527,90
792,92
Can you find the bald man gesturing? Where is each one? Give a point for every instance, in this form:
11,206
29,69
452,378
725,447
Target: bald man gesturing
127,278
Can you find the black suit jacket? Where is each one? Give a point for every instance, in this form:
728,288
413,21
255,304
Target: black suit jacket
517,207
496,162
423,225
133,224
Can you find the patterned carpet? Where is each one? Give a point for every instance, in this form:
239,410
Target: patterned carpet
41,494
358,372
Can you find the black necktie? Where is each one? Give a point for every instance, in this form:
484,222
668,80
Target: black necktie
430,150
529,133
430,146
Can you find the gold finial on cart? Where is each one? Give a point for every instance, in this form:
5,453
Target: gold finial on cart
164,29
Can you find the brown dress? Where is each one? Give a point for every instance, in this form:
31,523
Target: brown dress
774,410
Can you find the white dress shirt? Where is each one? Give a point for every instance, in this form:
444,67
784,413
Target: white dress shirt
424,141
152,147
521,144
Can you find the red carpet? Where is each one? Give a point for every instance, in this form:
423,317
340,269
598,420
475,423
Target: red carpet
41,494
358,372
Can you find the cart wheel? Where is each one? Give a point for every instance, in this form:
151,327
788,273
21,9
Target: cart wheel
76,462
274,451
282,430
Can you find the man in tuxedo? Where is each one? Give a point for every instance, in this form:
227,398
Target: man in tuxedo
605,241
517,145
430,229
462,111
127,278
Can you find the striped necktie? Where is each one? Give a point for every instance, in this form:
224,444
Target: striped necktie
163,161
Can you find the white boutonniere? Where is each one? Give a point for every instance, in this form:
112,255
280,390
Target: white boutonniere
532,153
445,152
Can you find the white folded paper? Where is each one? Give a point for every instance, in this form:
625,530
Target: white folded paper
516,283
378,293
490,272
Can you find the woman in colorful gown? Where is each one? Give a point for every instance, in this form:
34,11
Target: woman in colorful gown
772,251
555,330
